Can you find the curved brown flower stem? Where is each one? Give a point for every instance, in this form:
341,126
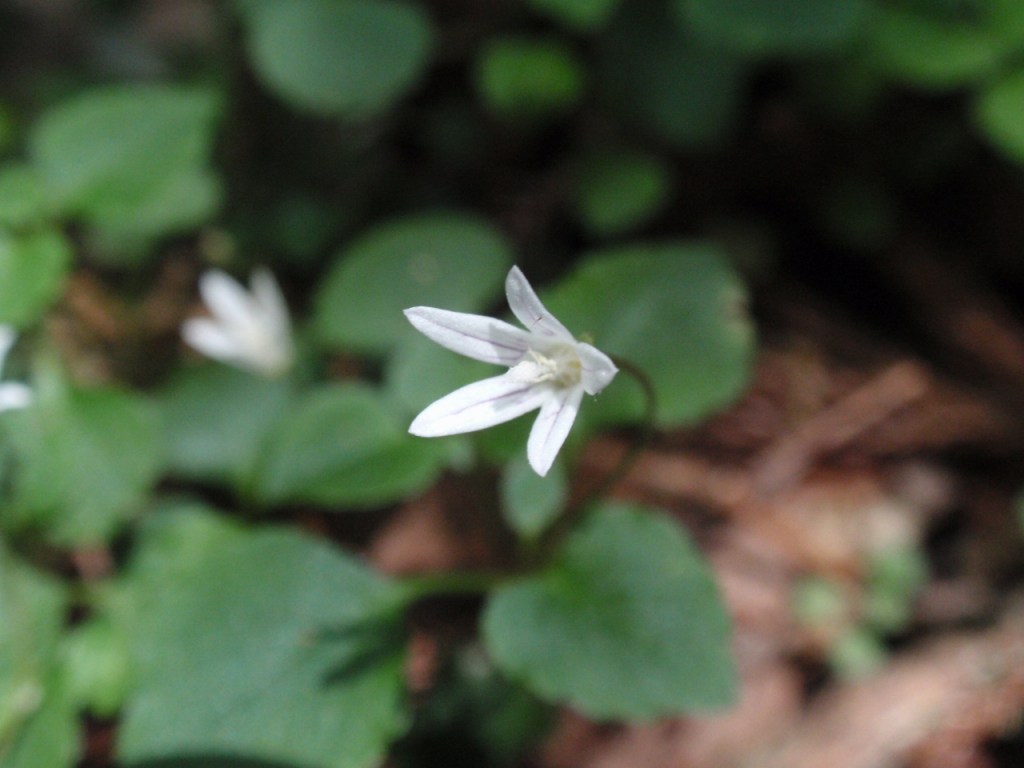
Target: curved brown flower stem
572,515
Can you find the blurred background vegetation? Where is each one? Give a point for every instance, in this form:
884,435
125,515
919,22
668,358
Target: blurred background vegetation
843,175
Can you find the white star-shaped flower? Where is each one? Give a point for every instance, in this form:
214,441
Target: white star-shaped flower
548,369
248,329
12,394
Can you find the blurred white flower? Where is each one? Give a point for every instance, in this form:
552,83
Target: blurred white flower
12,394
248,329
548,369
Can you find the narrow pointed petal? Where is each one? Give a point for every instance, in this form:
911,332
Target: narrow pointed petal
479,405
481,338
209,338
552,426
598,368
7,338
228,301
527,308
268,295
276,351
14,395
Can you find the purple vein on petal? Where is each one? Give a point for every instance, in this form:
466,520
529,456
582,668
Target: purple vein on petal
476,336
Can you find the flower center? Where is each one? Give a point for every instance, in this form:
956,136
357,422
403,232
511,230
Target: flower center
559,365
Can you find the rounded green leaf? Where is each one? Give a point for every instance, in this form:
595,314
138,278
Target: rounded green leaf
350,57
666,81
617,191
38,724
216,419
856,654
627,623
264,645
941,51
529,79
440,260
121,148
95,662
23,196
32,271
420,372
894,578
820,603
85,460
50,737
999,113
529,502
343,445
779,26
183,201
675,310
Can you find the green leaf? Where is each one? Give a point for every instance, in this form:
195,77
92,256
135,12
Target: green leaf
130,152
857,654
216,420
96,666
50,737
616,192
530,503
343,445
23,197
676,310
529,79
820,603
894,578
934,50
263,645
579,15
627,623
776,27
184,200
32,271
420,372
440,260
37,722
85,459
999,112
665,81
348,57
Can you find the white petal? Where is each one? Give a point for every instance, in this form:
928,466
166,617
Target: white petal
527,307
228,301
479,405
552,427
208,337
475,336
598,368
7,337
276,351
270,299
14,395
